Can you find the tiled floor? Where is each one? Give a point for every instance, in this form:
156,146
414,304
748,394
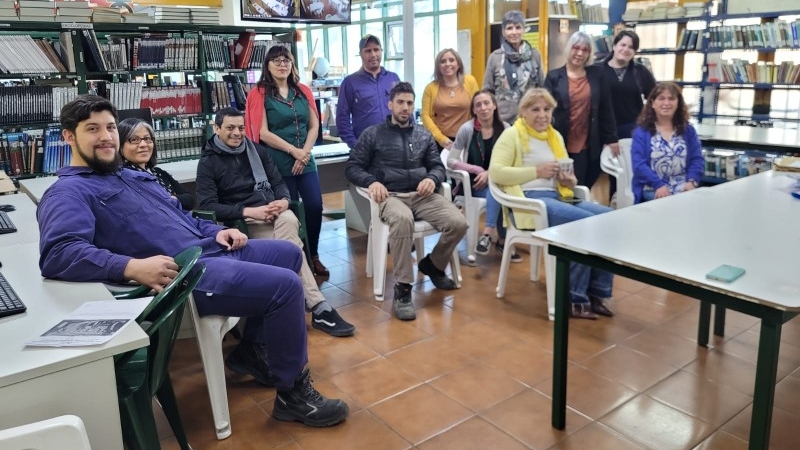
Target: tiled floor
474,372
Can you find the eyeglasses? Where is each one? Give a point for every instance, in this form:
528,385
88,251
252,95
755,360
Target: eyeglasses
281,61
136,140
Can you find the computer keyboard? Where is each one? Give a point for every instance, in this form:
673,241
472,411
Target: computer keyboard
6,225
330,151
9,301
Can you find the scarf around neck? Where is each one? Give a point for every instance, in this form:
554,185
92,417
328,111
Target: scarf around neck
517,64
164,183
260,175
553,140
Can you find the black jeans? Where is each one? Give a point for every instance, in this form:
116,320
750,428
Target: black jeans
586,169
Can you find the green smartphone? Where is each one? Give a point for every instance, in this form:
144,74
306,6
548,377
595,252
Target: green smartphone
725,273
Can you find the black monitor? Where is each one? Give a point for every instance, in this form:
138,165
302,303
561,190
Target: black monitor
313,11
140,113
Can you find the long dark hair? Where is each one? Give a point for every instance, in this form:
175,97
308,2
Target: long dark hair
267,82
497,122
647,118
127,127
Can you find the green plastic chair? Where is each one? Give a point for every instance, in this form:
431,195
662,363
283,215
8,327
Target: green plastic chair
296,206
143,373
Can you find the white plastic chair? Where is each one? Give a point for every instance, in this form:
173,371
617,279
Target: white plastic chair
58,433
209,331
621,168
473,207
378,241
517,236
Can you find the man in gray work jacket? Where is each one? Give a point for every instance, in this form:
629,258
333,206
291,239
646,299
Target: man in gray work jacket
398,161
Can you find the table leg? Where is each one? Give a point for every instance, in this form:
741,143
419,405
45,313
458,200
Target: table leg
561,345
719,320
703,325
764,393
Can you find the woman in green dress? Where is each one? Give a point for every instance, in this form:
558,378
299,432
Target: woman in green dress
282,115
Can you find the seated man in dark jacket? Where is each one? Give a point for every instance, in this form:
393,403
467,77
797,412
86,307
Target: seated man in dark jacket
398,161
99,222
237,180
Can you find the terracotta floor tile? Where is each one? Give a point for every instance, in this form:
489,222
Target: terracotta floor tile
655,425
410,414
745,346
434,320
631,368
361,431
590,393
596,437
651,311
527,362
478,339
389,335
337,354
726,369
701,398
429,359
526,417
611,330
477,386
721,440
787,395
474,434
667,347
783,435
374,381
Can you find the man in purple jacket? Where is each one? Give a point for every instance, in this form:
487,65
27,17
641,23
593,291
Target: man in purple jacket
99,222
364,94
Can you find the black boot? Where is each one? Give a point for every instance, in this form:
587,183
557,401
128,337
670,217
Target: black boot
303,403
250,358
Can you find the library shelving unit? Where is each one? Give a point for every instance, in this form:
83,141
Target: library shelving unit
182,72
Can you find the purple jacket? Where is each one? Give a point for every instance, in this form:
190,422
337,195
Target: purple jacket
363,102
91,225
643,174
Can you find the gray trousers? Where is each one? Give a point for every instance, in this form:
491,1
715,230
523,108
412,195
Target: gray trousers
285,228
399,211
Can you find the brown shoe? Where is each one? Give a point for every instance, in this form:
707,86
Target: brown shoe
582,311
319,269
599,306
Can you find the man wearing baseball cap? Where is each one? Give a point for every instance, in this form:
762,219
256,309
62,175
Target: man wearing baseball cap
364,94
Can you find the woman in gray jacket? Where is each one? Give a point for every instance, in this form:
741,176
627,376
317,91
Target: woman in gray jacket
513,68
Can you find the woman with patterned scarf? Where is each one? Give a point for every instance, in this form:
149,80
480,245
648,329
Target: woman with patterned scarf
524,164
137,146
513,68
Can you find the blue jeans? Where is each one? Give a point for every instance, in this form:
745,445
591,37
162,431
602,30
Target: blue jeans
306,186
584,281
494,214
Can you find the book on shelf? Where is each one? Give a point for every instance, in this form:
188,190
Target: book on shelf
244,49
20,105
766,35
92,54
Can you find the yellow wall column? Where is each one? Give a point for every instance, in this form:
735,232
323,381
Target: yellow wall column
472,15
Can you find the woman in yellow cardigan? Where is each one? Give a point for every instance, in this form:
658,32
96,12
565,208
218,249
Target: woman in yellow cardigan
525,163
447,100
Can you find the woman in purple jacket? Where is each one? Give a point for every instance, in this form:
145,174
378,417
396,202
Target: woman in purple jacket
666,154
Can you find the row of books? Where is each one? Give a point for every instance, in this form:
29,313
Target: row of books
122,95
27,104
172,100
25,55
590,13
741,71
228,93
34,151
729,165
15,152
179,143
770,35
690,40
151,52
662,11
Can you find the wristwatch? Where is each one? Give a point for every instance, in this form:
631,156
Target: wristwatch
694,183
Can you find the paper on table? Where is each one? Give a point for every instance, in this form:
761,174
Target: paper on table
93,323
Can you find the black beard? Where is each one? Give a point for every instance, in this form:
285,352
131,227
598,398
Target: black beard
105,167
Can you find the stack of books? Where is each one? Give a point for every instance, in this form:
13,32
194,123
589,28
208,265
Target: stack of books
632,14
36,10
676,12
106,15
694,9
138,17
8,11
204,16
560,9
166,14
73,12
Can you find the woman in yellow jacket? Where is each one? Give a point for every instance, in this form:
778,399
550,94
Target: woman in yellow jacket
525,164
447,100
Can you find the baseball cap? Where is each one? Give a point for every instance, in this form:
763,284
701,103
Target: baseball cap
366,40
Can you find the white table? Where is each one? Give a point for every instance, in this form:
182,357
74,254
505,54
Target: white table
24,218
41,383
754,226
35,187
749,138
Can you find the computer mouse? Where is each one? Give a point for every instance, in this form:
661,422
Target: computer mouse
7,208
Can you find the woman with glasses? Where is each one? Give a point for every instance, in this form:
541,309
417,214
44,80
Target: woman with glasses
282,115
584,115
446,100
138,151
